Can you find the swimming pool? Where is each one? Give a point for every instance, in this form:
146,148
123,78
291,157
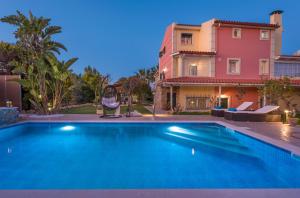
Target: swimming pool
140,156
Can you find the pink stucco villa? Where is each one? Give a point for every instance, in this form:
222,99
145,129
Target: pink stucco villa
218,60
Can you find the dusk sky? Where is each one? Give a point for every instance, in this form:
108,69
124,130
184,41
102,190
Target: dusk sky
120,37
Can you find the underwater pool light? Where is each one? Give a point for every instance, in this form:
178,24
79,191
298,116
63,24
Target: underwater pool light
67,128
177,129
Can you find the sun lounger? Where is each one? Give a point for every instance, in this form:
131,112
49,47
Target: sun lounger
260,115
220,112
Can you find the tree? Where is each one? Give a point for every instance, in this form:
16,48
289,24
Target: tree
146,78
95,81
275,90
60,77
129,85
34,44
8,53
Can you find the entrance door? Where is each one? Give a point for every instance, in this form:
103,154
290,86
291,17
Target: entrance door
224,103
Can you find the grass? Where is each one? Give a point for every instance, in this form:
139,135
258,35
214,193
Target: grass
90,109
192,113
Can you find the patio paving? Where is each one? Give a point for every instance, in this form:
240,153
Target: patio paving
275,130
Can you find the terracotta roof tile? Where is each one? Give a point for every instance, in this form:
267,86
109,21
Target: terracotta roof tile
246,23
207,80
197,53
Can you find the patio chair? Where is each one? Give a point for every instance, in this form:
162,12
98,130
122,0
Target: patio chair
220,112
111,107
260,115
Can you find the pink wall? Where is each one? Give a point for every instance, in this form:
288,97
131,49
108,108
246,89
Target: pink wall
166,60
249,48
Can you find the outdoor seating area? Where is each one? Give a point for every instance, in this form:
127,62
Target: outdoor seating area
129,108
260,115
219,112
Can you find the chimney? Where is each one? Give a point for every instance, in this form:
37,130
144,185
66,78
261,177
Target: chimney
276,18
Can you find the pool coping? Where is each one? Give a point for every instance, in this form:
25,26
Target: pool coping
294,150
154,193
164,193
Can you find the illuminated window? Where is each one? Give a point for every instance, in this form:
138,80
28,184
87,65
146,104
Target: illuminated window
264,35
234,66
263,66
197,103
237,33
186,39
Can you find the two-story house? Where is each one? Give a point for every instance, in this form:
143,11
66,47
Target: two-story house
223,61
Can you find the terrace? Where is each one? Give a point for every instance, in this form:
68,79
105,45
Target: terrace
67,134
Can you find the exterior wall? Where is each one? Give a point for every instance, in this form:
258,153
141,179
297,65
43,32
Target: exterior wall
249,48
207,36
203,65
165,62
10,90
195,41
251,95
193,91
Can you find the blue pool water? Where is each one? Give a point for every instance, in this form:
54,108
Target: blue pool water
140,156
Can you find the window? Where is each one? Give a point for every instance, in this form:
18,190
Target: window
197,103
263,66
289,69
233,66
186,39
193,70
264,35
236,33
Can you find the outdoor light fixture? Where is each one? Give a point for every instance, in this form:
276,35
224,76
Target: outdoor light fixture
67,128
176,129
193,151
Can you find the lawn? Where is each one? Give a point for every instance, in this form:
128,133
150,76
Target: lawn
90,109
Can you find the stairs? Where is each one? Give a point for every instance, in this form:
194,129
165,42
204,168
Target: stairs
210,137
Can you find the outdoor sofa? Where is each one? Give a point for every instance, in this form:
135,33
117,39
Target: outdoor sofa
220,112
260,115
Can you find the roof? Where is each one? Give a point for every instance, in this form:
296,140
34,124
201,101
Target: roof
193,25
210,80
288,58
196,53
251,24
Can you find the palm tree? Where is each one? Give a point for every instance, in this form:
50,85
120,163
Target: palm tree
34,43
60,78
35,34
96,81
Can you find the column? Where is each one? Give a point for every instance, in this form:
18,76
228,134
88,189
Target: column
220,93
180,66
171,98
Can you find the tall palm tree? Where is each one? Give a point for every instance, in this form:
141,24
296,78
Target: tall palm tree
34,42
34,33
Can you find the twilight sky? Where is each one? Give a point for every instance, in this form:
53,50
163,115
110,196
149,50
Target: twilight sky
121,36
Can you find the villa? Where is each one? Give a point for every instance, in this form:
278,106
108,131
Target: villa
215,60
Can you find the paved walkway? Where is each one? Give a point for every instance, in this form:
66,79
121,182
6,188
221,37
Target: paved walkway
274,130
